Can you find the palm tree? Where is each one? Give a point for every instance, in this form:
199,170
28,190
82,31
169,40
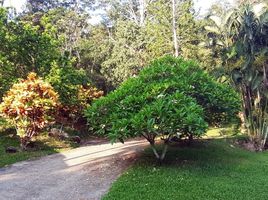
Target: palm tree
248,29
244,33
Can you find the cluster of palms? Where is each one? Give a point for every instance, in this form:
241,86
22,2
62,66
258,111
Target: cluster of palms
242,35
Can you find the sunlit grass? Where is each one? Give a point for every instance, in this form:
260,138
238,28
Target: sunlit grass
209,169
43,145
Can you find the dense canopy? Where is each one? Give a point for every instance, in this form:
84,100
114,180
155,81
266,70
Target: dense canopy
170,97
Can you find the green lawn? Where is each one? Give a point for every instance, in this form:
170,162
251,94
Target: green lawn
210,169
44,145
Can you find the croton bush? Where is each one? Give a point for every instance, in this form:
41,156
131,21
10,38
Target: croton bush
29,106
171,97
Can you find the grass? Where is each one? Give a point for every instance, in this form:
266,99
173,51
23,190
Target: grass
210,169
44,145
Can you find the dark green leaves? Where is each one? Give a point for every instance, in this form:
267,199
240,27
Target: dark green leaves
169,97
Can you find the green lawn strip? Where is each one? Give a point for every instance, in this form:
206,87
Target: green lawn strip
44,145
210,169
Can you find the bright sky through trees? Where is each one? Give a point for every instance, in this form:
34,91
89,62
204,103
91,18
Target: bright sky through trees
201,5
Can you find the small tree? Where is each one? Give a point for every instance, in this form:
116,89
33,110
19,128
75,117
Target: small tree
170,97
28,105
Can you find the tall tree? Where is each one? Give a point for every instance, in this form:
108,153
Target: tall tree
133,44
247,33
133,10
68,26
249,30
24,49
174,28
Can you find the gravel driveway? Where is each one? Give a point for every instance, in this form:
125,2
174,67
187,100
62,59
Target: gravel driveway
85,173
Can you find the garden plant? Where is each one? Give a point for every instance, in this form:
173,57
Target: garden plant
170,97
29,106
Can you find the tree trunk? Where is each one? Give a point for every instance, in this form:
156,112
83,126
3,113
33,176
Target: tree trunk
161,157
155,151
164,152
190,139
23,143
142,12
174,30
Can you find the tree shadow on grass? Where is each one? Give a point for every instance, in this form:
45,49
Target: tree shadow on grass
204,153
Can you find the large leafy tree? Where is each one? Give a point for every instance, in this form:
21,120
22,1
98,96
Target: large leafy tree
69,27
170,97
128,54
43,47
24,49
94,51
140,31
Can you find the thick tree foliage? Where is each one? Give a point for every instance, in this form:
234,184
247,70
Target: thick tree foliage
24,49
170,97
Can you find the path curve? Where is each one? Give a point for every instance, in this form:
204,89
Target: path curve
85,173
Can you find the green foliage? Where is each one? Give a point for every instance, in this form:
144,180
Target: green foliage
242,35
134,40
75,94
249,31
24,48
94,50
66,81
170,97
128,54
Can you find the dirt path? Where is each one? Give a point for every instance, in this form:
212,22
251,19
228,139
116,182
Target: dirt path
85,173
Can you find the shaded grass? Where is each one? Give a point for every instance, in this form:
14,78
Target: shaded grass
43,145
210,169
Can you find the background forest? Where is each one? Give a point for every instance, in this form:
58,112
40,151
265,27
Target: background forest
193,84
84,59
49,36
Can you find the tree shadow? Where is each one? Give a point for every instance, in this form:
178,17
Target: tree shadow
203,153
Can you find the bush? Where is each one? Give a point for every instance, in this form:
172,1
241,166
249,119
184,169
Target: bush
28,106
67,81
72,114
74,94
170,97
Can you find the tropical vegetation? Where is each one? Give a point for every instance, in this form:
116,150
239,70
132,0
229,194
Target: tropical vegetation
171,97
157,69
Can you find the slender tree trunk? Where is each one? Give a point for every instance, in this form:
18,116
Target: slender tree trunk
155,151
164,152
175,38
24,141
142,12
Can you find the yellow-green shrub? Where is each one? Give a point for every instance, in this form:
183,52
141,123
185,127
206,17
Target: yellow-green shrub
29,106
